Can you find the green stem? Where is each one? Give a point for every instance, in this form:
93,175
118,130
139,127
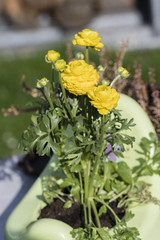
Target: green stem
89,212
112,211
97,161
114,80
89,111
53,80
48,97
82,200
64,95
85,215
96,214
87,55
105,177
86,169
120,194
81,186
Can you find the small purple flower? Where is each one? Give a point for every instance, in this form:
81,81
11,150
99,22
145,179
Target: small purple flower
112,157
119,149
109,148
109,136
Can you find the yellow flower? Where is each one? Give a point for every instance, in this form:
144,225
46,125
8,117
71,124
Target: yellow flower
52,55
88,38
104,98
41,83
60,64
79,77
123,72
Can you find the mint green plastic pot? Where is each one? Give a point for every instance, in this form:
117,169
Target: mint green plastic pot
23,224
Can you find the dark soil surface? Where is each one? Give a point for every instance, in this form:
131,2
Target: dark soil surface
33,164
74,216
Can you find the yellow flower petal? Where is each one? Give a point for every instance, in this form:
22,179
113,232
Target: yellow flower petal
79,77
88,38
52,55
104,98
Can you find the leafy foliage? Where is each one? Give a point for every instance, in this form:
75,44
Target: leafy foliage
149,161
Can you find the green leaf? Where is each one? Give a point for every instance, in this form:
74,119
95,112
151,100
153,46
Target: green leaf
102,210
67,182
104,234
67,204
69,131
97,181
46,122
124,172
75,191
34,119
156,157
128,216
54,118
76,168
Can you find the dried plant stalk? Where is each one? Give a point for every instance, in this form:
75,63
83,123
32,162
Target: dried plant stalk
33,92
120,57
16,111
69,52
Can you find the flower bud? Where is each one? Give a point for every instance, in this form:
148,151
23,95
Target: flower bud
101,68
105,82
60,65
80,56
41,83
52,56
123,72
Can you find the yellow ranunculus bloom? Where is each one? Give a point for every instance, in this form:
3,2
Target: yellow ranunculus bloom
79,77
88,38
52,55
41,83
123,72
104,98
60,64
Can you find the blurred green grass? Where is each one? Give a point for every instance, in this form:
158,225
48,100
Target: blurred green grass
34,67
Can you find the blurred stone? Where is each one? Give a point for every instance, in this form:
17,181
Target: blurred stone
74,13
155,9
44,20
1,6
43,5
20,14
110,6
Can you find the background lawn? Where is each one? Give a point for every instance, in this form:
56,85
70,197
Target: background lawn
34,67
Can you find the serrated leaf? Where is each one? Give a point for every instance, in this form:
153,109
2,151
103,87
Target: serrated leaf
104,234
54,118
46,122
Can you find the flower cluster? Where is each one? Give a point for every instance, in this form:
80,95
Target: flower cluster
81,78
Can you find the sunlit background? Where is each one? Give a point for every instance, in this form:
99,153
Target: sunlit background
29,28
